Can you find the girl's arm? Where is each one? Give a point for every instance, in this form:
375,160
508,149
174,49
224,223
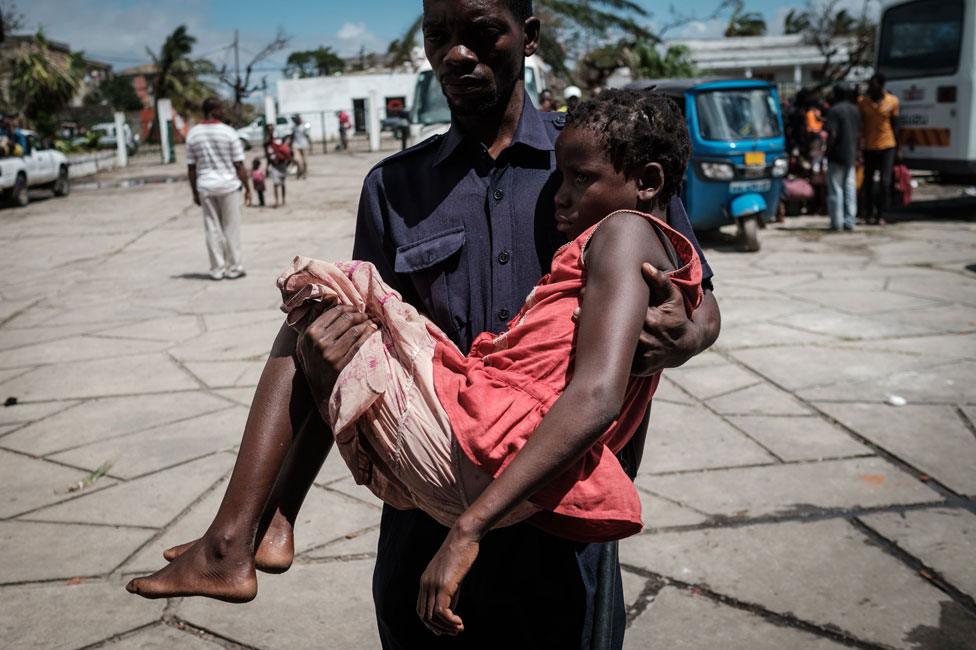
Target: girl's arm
610,322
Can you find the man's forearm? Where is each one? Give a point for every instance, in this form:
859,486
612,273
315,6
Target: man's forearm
191,174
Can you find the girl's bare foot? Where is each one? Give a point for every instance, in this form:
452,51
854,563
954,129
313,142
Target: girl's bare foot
274,554
214,566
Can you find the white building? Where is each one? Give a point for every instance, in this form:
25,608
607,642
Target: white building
319,99
784,60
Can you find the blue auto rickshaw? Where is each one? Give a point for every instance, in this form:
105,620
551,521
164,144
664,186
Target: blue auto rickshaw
738,152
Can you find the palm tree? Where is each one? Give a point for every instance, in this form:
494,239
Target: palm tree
743,23
597,18
178,77
42,86
796,22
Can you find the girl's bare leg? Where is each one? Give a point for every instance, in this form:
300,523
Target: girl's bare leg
221,563
275,537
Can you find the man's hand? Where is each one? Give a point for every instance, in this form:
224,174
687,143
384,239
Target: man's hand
329,343
441,583
669,337
196,198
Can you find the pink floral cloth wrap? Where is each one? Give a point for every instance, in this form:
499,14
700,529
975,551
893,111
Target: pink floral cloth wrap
389,425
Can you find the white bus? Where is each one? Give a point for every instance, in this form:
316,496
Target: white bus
927,51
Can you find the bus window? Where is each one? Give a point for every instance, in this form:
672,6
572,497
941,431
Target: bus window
921,39
430,104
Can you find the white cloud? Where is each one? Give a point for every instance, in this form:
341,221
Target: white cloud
351,31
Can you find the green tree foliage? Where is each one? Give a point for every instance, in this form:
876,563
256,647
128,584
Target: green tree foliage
835,32
569,27
745,23
645,61
116,92
320,62
179,77
795,21
42,86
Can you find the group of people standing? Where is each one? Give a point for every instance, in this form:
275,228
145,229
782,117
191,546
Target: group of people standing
852,133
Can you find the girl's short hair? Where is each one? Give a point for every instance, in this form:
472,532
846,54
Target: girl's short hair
637,127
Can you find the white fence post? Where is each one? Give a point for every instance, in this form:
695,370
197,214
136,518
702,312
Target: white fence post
164,115
121,141
373,120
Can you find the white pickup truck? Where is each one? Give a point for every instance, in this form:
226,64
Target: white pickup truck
36,168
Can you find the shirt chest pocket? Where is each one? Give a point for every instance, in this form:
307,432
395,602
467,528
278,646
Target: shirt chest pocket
434,265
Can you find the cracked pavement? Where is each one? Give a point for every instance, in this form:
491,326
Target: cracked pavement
786,503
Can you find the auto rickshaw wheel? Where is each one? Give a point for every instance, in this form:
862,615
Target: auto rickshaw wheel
749,233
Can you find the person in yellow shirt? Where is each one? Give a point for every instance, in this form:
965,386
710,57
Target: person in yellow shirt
879,122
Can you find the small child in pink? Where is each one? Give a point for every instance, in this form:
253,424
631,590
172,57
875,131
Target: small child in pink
257,180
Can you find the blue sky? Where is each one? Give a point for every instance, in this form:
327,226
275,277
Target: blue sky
118,31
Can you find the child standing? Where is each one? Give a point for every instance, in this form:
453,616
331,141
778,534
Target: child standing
257,180
528,423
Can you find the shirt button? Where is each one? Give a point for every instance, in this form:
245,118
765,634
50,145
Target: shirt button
499,195
503,257
503,315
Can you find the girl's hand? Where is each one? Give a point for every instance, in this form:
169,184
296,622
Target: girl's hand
440,585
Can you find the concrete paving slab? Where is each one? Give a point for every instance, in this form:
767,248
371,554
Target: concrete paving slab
175,328
28,412
250,341
667,391
60,616
16,338
757,335
745,311
242,396
339,593
356,544
945,384
154,373
148,451
949,346
151,501
800,438
162,637
950,287
832,322
801,488
943,538
235,319
932,438
662,513
218,374
679,620
77,348
711,381
762,399
684,437
26,483
633,585
859,302
798,367
100,419
824,572
32,551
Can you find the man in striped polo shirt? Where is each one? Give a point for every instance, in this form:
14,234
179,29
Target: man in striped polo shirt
215,167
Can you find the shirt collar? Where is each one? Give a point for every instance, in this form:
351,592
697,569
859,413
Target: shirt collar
530,132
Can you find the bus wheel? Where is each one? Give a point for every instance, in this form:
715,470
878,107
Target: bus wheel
749,233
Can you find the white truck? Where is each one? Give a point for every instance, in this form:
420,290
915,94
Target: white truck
36,168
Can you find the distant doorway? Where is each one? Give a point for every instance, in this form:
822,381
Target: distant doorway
359,115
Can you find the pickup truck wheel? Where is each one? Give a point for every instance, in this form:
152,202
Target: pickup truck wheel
18,193
62,186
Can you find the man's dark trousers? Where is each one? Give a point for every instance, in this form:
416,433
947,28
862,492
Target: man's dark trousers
883,161
527,577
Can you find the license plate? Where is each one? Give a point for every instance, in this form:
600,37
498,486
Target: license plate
755,159
741,187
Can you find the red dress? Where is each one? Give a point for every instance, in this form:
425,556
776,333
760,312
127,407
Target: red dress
497,395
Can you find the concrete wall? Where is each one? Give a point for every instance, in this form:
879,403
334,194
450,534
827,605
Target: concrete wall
322,97
88,164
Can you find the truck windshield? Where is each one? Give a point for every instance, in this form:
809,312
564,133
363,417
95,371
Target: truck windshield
921,39
737,114
430,104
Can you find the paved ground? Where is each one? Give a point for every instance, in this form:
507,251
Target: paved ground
787,505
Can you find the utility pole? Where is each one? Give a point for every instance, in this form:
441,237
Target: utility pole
237,72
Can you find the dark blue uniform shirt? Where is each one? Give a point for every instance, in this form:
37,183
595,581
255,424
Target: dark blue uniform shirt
464,238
